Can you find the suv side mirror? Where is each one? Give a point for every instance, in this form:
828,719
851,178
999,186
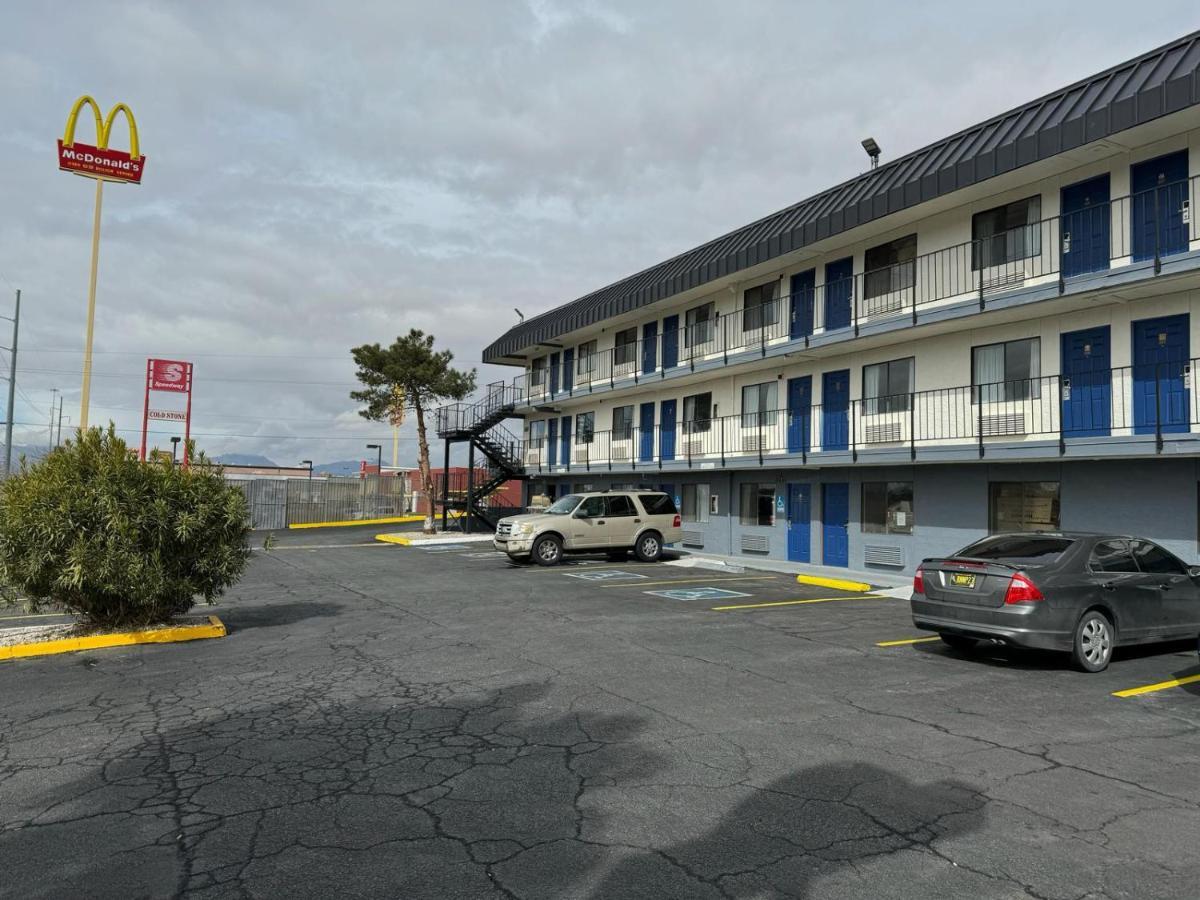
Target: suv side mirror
1194,571
581,513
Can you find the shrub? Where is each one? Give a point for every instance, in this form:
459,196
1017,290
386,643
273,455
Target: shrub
117,542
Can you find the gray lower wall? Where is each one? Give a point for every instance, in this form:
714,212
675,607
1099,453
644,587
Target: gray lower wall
1154,498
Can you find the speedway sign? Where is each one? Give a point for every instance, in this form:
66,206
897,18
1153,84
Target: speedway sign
172,376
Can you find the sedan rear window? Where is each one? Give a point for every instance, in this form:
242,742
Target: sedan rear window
1019,550
658,504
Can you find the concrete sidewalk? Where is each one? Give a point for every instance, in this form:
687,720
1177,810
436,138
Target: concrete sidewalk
874,576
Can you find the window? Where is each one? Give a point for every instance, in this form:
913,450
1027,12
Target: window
658,504
537,432
1008,371
887,386
887,507
622,423
618,505
585,361
1112,556
758,504
1006,233
697,413
758,402
699,322
1154,560
592,507
695,503
538,377
625,352
760,306
1023,506
890,267
563,505
1018,551
585,428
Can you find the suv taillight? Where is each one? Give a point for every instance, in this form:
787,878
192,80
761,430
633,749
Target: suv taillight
1022,590
676,523
919,581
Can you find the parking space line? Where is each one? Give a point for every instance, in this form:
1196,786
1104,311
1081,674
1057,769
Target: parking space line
797,602
906,641
1161,686
698,580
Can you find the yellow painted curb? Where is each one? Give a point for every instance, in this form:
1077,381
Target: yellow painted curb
388,520
393,539
214,629
837,584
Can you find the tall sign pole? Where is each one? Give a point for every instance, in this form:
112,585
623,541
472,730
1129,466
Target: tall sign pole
103,164
171,376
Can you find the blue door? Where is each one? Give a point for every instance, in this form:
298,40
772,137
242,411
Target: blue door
552,441
666,429
1086,383
670,342
646,433
1159,187
568,369
839,290
835,524
835,406
554,370
566,440
799,407
804,289
1160,363
799,522
649,347
1084,226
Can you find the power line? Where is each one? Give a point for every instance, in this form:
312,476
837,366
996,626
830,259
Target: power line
128,375
273,437
76,352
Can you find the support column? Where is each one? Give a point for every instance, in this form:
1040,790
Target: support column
470,486
445,485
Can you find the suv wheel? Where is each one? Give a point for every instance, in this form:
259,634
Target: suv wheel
649,546
547,551
1094,639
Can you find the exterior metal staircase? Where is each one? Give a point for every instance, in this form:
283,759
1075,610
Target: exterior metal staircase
479,424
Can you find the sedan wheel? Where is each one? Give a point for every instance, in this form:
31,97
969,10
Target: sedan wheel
1094,640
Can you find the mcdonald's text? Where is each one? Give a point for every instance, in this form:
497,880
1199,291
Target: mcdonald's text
100,162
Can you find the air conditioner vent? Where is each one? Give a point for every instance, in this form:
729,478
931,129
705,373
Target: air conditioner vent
694,447
881,433
883,556
1003,423
692,539
620,450
1003,282
752,443
533,457
755,543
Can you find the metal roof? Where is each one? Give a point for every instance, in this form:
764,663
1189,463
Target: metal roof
1155,84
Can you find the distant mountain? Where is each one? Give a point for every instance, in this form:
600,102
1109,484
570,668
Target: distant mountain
339,467
244,459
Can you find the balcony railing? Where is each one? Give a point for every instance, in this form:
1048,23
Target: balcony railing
1146,227
1153,401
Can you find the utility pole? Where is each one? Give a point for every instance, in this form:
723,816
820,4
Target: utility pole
53,392
12,388
58,438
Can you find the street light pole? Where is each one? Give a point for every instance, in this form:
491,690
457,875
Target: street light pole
174,448
379,458
307,462
50,442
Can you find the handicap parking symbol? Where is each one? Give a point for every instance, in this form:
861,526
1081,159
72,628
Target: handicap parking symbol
606,575
702,593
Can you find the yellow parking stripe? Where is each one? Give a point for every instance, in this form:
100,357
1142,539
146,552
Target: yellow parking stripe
797,602
639,583
1161,686
920,640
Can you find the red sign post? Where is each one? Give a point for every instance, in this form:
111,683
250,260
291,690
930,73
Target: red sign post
170,376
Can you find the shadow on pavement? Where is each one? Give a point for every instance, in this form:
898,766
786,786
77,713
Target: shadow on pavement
238,618
359,786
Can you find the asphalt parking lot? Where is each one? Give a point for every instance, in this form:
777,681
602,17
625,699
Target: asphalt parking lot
388,721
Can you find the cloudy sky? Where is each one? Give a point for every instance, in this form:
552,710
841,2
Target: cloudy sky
321,175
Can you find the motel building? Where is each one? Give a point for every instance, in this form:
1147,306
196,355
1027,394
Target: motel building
996,332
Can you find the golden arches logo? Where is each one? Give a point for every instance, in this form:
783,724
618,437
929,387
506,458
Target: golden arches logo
100,161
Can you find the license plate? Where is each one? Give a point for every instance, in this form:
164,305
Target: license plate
962,579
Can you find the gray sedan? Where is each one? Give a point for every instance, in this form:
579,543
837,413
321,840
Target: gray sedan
1083,593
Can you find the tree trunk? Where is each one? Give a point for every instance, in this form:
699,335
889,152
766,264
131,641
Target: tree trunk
423,462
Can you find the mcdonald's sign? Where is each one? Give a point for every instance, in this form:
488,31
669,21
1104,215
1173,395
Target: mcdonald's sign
99,160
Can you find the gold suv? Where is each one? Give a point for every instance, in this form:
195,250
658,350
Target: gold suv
612,522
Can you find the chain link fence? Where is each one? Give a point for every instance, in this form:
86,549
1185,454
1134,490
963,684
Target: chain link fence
280,502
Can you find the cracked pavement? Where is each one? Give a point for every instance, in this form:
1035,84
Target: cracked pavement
389,722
